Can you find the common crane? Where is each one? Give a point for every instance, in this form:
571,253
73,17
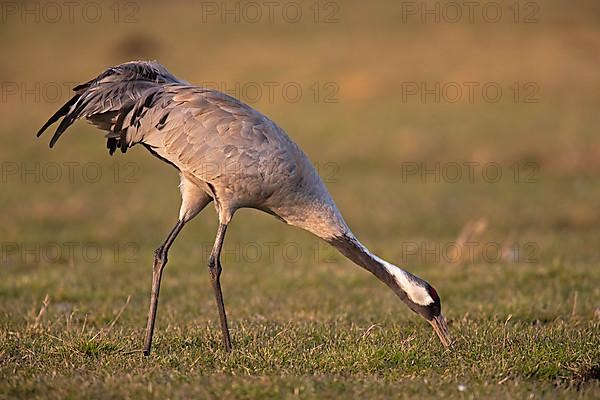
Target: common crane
228,153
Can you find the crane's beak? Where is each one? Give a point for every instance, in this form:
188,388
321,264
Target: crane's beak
441,329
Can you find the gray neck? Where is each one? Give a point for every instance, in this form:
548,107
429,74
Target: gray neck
407,286
317,213
350,247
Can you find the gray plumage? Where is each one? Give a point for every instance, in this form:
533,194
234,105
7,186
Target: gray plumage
229,153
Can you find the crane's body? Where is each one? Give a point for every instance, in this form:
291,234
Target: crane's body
229,153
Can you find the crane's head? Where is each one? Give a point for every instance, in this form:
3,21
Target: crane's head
417,293
427,304
420,297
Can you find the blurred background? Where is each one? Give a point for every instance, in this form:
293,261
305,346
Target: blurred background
431,123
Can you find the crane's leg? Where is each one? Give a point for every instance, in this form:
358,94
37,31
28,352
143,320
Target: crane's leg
214,267
160,260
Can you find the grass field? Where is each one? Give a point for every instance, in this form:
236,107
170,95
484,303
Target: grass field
77,238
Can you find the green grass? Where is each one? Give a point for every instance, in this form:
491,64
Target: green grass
312,325
320,330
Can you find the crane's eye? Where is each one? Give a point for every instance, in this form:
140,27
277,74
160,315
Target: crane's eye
434,295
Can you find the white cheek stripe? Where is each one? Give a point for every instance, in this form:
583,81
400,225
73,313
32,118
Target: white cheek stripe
416,293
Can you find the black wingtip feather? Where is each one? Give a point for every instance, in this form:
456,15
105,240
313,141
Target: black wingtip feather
111,144
66,122
60,113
